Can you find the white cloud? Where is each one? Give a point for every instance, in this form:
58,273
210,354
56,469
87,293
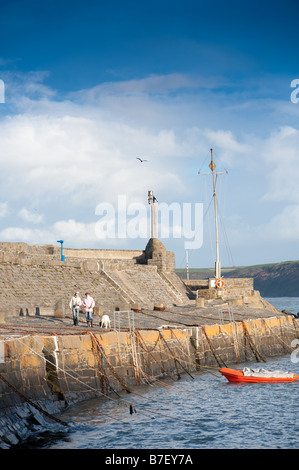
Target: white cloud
29,216
84,159
27,235
3,209
152,85
281,154
225,140
283,226
65,156
74,233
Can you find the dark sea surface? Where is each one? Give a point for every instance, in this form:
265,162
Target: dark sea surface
203,412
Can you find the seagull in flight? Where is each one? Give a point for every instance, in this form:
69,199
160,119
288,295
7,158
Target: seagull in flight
141,160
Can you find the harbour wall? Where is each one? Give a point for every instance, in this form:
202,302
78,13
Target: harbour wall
34,279
42,375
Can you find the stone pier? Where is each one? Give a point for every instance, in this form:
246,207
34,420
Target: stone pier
40,375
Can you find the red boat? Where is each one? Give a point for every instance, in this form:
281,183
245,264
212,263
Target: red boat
251,375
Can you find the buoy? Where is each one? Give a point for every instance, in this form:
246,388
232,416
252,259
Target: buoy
220,283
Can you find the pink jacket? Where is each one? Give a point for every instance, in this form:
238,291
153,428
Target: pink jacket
88,303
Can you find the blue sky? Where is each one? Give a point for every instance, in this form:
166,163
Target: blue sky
91,85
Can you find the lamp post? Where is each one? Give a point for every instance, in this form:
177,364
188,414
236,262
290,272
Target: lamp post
152,202
62,255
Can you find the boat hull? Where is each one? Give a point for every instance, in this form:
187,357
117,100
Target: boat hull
233,375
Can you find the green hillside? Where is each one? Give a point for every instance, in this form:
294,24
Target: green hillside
272,280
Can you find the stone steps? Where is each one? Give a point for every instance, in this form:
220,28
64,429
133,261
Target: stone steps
124,280
177,284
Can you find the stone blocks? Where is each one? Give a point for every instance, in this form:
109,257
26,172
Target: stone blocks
59,311
76,366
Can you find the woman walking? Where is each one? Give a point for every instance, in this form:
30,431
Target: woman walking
88,305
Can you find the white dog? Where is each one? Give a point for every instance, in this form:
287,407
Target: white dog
105,321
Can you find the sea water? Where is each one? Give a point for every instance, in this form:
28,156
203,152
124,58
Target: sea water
204,411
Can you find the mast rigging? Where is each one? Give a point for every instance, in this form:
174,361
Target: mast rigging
215,174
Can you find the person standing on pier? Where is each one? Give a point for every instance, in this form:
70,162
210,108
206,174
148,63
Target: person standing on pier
88,304
75,305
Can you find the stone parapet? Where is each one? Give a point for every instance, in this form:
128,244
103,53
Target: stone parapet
23,253
103,254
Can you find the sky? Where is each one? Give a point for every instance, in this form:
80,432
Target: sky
86,87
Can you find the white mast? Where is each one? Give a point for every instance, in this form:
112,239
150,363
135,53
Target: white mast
212,166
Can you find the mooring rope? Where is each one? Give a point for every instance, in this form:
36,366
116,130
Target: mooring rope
175,359
104,381
121,400
150,380
148,411
283,343
70,375
212,348
151,411
134,342
150,353
147,377
254,349
93,338
39,408
193,363
133,404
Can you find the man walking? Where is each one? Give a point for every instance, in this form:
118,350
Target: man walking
75,304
